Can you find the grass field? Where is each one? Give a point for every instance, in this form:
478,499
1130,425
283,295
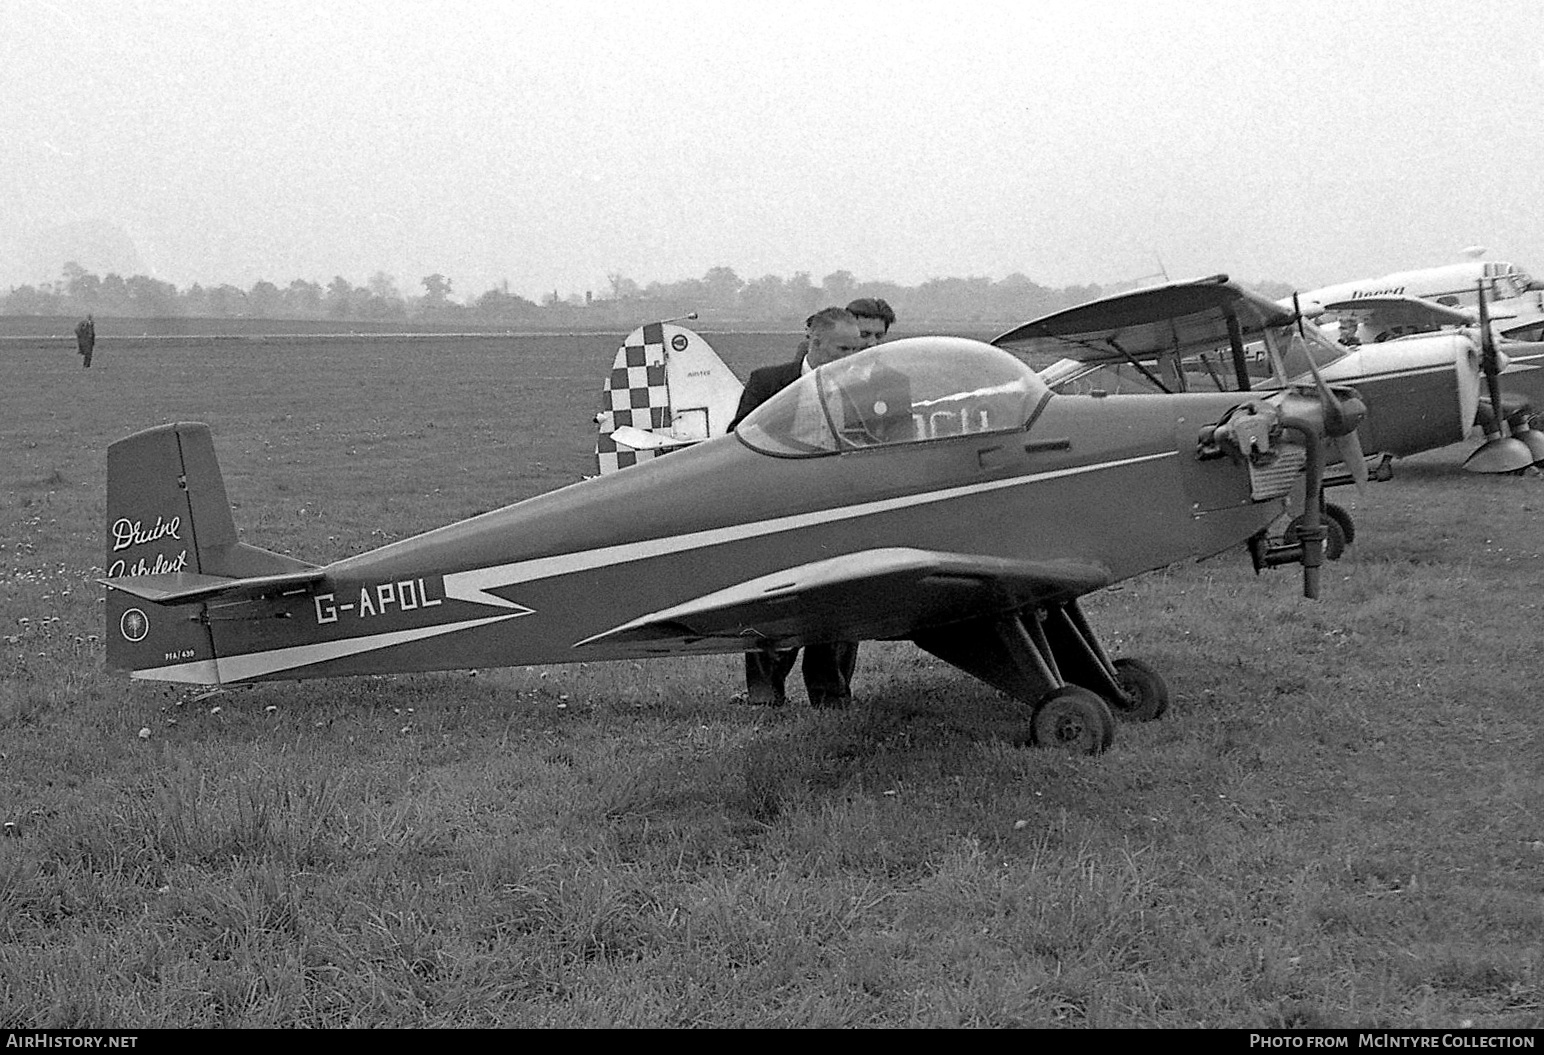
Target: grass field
1341,822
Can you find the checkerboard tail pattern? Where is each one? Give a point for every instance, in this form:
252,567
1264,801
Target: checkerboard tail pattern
635,394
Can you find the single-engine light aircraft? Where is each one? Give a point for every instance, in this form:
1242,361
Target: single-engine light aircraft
1452,298
1422,392
827,515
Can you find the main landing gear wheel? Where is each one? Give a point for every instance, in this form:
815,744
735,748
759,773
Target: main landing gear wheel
1335,534
1146,693
1074,720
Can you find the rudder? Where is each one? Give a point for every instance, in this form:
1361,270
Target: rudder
153,502
167,515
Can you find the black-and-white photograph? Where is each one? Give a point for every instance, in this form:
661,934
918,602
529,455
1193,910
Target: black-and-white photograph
778,515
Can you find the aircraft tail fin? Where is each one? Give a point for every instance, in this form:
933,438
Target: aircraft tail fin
666,381
169,521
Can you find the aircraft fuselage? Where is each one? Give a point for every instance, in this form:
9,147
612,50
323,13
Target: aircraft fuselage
1113,481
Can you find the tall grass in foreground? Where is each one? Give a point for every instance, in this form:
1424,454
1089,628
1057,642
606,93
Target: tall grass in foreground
1339,823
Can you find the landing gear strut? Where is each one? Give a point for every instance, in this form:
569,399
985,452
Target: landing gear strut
1339,532
1048,658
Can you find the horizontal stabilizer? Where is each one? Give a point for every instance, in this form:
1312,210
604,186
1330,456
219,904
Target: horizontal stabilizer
881,593
639,440
187,587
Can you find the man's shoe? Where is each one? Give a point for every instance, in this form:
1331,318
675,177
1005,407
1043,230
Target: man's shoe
765,696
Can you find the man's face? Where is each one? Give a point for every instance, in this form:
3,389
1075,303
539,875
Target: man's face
872,331
827,346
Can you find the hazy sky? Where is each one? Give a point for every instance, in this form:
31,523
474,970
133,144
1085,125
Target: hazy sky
551,144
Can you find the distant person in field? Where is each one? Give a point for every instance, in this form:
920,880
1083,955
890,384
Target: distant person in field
875,317
85,339
832,333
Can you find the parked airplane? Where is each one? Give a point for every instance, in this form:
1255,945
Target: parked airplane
826,516
1432,299
1211,334
1408,302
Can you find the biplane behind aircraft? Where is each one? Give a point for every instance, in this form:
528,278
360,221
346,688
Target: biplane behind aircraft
826,516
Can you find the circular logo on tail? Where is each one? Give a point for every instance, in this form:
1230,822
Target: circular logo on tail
134,625
678,342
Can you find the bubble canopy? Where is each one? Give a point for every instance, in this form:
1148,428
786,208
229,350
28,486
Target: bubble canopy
906,391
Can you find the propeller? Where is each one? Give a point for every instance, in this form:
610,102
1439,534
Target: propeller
1334,417
1503,452
1341,417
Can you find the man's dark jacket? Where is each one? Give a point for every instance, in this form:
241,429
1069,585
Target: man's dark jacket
763,384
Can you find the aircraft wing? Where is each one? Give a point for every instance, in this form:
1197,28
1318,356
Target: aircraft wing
186,587
1390,310
876,594
1144,323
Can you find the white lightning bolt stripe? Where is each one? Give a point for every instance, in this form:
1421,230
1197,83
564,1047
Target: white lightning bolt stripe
472,584
256,664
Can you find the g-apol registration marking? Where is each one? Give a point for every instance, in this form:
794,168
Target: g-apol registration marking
407,594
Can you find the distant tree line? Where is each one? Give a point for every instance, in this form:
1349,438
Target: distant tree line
719,296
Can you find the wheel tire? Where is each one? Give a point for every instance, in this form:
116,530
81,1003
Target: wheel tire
1147,694
1074,720
1343,518
1334,539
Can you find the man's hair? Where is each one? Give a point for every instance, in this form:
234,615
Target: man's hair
873,308
827,319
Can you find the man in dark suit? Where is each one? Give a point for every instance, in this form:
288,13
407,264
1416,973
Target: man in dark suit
85,339
832,334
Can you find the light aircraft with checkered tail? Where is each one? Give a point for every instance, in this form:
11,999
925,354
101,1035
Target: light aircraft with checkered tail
932,489
667,389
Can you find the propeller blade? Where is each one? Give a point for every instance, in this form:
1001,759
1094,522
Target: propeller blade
1471,380
1340,416
1490,363
1350,447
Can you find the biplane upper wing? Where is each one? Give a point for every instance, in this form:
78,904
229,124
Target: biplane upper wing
876,594
1173,318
